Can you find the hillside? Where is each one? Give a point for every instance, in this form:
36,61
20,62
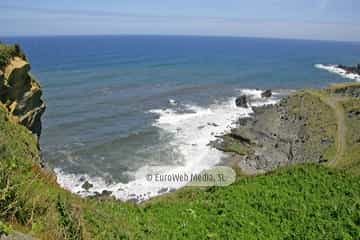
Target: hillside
304,201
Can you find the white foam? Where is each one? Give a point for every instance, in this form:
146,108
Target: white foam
192,131
335,69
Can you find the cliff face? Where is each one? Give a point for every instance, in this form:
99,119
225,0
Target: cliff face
20,92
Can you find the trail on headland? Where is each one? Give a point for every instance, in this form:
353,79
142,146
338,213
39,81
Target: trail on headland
336,105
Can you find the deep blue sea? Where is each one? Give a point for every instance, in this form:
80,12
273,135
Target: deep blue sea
119,104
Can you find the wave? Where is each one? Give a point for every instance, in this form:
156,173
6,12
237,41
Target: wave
335,69
192,127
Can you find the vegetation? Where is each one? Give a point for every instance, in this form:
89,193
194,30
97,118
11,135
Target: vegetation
9,51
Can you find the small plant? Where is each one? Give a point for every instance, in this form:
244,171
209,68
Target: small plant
4,229
70,224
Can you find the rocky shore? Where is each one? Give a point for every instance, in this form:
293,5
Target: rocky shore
350,69
302,127
350,72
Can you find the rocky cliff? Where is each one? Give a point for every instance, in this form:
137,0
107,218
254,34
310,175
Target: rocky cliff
20,92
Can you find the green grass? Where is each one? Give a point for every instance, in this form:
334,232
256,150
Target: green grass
303,202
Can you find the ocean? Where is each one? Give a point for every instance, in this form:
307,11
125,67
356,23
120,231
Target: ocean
119,105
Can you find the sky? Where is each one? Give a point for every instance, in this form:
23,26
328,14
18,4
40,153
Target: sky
300,19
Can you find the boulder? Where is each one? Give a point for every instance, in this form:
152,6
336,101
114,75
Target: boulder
87,186
242,101
266,94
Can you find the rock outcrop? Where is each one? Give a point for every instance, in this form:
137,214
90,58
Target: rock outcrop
21,94
242,101
303,127
351,69
266,94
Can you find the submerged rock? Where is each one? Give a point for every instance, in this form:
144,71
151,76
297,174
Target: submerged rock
242,101
266,93
87,186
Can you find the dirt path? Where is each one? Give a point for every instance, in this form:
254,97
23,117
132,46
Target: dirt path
335,104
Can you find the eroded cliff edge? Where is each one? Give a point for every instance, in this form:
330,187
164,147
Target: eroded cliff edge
20,93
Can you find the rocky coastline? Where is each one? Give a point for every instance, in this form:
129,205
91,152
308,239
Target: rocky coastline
350,72
350,69
302,127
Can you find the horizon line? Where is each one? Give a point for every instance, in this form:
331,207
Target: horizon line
175,35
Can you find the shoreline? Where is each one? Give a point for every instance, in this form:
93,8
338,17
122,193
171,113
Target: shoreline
352,72
291,131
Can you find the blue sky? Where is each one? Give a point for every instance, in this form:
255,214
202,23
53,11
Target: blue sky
305,19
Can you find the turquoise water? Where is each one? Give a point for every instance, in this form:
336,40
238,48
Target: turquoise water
118,103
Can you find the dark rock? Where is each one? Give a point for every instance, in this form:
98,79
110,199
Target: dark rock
105,193
242,101
133,200
240,138
163,190
87,186
322,160
244,121
266,94
326,141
